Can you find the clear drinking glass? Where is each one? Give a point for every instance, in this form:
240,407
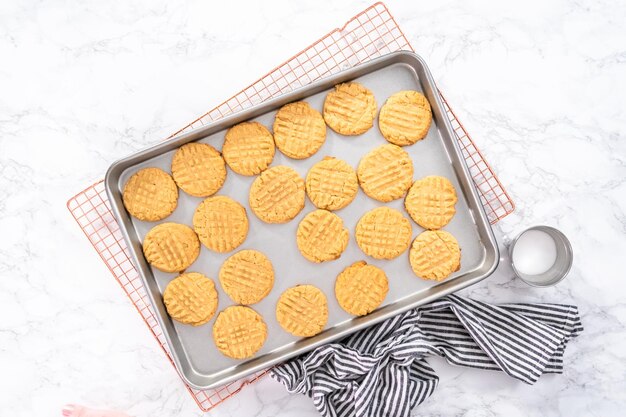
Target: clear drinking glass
531,253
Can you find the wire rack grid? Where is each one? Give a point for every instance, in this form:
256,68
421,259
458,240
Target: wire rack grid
370,34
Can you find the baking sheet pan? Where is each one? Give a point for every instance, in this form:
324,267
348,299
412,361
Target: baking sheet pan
193,350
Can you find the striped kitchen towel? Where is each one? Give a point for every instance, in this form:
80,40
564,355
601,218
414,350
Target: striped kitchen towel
382,370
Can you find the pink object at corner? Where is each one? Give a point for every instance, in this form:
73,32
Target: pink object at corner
73,410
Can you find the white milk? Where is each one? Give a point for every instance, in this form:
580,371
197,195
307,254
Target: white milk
534,252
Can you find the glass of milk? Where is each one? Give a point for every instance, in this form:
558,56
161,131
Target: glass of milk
541,256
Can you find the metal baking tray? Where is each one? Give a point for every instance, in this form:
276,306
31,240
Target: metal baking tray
192,348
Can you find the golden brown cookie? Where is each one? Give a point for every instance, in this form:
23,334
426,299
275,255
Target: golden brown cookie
385,173
277,195
150,195
191,298
302,310
435,254
198,169
430,202
239,332
171,247
321,236
247,276
361,288
248,148
350,109
383,233
405,118
299,130
221,223
331,184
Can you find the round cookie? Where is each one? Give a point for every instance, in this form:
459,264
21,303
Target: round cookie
430,202
302,310
361,288
191,298
383,233
198,169
247,276
405,118
435,254
321,236
385,173
350,109
150,195
239,332
331,184
171,247
299,130
277,195
221,223
248,148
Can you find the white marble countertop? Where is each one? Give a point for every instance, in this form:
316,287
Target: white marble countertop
540,85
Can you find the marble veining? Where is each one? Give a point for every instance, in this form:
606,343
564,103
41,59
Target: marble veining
540,86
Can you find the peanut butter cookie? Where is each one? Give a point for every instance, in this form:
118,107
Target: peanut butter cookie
361,288
435,254
198,169
191,298
385,173
405,118
331,184
277,195
299,130
383,233
350,109
221,223
430,202
321,236
171,247
302,310
239,332
247,276
150,195
248,148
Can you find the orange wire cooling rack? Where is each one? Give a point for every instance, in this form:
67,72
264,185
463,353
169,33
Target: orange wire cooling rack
370,34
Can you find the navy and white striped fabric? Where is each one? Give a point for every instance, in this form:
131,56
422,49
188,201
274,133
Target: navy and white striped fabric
382,370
